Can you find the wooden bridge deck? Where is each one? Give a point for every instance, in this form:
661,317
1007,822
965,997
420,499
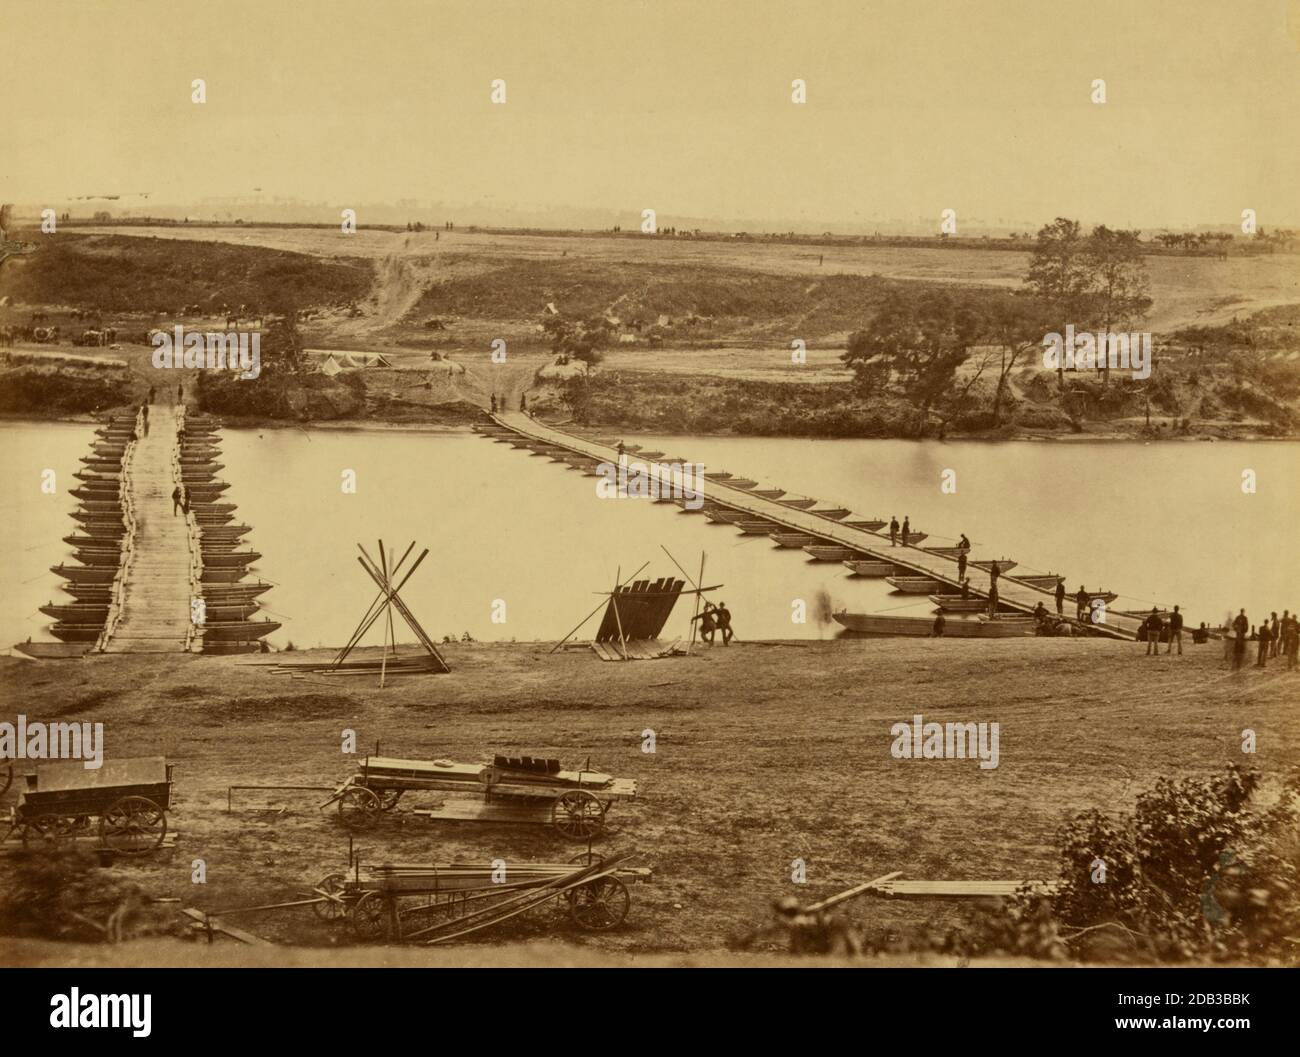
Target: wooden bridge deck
1012,595
155,589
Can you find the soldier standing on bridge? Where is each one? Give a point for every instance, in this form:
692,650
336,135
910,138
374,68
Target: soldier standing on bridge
994,572
893,531
1060,597
494,403
177,496
961,566
1081,601
907,529
993,599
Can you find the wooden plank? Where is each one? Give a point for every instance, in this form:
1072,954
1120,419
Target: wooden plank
217,925
921,889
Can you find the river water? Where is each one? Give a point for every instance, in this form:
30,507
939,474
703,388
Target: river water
519,536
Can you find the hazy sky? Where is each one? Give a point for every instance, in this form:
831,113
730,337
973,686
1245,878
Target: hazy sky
913,106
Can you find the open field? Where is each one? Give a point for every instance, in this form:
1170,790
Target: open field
1186,290
765,753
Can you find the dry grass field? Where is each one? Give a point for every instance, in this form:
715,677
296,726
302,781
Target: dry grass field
765,753
1185,290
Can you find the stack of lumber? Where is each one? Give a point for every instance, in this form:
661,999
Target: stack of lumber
639,610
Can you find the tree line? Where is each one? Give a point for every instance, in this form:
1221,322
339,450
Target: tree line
918,340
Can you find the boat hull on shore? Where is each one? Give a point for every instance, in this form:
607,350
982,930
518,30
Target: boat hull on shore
880,625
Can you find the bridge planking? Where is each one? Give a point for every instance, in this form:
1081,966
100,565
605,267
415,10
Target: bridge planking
875,545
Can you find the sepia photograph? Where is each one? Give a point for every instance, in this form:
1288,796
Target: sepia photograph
572,485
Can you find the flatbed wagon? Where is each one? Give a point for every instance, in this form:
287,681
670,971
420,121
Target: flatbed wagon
431,903
509,789
123,803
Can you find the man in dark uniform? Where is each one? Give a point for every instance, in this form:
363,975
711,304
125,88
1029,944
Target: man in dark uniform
1175,631
708,624
994,572
1153,625
1060,597
1265,639
893,532
1241,625
907,529
961,566
1081,601
176,499
723,615
993,599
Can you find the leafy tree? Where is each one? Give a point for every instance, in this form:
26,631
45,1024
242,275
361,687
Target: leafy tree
1015,325
1118,288
1058,276
914,344
577,339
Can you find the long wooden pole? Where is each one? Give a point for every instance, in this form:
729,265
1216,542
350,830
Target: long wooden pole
388,627
698,593
368,619
388,578
395,599
613,600
856,890
368,564
584,620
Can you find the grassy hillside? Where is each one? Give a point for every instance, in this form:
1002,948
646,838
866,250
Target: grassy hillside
698,301
123,274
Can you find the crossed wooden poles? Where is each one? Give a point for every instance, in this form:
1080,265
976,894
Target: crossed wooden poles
619,583
383,572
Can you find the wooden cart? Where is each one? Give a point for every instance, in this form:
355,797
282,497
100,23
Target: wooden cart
61,801
509,789
434,903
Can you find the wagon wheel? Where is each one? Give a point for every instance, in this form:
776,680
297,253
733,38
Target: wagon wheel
358,807
133,825
370,917
600,904
332,908
49,832
578,815
388,799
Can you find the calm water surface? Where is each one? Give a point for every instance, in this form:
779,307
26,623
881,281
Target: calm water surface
1166,523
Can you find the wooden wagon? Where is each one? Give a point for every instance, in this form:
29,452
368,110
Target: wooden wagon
509,789
431,903
61,802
